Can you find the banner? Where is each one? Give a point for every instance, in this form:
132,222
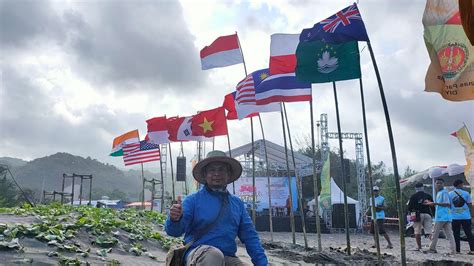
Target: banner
278,187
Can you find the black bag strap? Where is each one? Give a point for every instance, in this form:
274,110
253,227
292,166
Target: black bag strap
204,231
460,197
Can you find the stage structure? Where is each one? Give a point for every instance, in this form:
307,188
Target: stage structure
362,192
276,160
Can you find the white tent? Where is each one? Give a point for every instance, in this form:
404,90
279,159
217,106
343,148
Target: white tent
337,197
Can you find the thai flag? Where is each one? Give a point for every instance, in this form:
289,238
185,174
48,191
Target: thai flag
282,88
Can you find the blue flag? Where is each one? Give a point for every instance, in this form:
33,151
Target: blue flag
344,26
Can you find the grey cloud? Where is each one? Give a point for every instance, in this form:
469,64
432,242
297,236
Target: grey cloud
142,44
22,22
29,128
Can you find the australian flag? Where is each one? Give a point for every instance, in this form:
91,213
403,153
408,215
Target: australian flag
344,26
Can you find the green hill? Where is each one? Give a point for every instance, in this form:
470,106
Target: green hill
50,169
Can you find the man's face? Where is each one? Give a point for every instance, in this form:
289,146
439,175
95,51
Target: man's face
439,185
217,174
376,193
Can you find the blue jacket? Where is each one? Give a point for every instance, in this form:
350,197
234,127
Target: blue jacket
201,208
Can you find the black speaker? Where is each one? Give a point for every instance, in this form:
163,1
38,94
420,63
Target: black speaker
181,169
347,170
338,220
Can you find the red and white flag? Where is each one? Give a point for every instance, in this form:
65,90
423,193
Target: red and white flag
283,53
157,130
224,51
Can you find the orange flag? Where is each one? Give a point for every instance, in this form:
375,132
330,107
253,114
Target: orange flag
209,123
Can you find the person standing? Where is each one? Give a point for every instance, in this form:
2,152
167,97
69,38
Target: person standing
379,216
423,212
461,215
442,217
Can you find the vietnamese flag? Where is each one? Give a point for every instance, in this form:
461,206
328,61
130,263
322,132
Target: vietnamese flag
209,123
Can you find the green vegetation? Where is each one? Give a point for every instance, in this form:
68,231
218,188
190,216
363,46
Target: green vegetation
107,229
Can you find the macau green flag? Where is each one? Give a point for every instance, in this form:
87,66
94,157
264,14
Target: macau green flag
319,62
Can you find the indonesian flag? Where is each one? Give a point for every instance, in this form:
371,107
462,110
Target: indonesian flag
157,130
122,140
209,123
224,51
283,53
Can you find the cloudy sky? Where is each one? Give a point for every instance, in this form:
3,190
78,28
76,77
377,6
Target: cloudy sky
76,74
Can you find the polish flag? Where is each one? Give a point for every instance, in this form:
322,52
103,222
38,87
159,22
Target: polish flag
283,53
157,130
224,51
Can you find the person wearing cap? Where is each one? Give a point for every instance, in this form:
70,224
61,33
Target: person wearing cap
442,217
214,205
423,213
461,215
379,217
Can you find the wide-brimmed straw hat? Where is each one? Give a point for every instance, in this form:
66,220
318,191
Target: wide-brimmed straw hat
217,156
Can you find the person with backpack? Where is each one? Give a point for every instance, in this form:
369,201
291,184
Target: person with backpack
460,209
423,213
442,217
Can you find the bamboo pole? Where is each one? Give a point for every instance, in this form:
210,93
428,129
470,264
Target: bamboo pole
341,155
292,215
401,220
270,214
369,165
315,180
299,190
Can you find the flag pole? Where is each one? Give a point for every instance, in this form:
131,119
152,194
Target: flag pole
254,196
172,173
341,155
369,166
315,179
230,154
270,214
162,186
292,216
401,220
143,188
181,154
299,190
253,144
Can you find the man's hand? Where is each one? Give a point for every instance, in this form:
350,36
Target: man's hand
429,203
176,211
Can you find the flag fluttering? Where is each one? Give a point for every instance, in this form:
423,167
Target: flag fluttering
283,53
320,62
344,26
224,51
209,123
242,103
142,152
122,140
466,141
451,71
157,130
282,88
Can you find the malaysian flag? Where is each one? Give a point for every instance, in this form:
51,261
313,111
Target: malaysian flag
142,152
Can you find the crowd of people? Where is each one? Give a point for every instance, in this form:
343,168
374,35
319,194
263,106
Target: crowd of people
450,211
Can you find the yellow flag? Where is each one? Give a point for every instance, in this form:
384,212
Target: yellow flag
465,140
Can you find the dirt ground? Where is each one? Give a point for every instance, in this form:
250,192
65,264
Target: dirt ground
280,251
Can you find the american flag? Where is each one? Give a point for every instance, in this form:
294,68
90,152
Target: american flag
342,17
142,152
245,91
